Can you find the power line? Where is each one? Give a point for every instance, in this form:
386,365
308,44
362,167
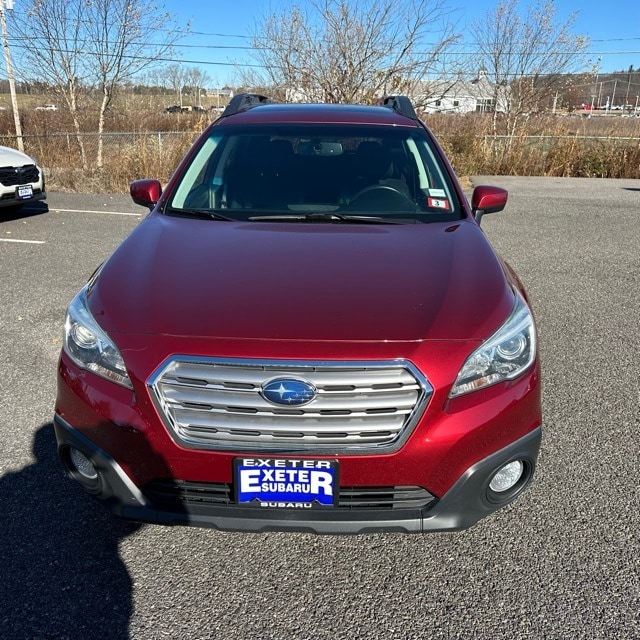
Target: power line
19,43
18,40
141,58
245,36
471,53
258,38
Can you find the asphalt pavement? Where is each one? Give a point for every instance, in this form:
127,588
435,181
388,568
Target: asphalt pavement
563,561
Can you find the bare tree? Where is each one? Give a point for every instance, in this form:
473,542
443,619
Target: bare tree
51,54
98,44
350,50
173,77
195,81
120,45
523,52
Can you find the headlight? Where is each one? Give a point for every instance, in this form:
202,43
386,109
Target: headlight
505,355
89,346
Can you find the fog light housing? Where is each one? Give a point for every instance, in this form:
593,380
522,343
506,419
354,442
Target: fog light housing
81,469
507,477
83,465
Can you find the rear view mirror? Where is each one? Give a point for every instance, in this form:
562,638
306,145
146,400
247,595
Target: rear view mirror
319,148
145,192
486,199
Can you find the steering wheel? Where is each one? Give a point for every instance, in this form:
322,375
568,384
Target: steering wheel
381,197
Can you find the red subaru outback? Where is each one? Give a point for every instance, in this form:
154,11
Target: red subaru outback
308,332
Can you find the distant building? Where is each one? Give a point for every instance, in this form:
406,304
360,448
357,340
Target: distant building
459,96
223,94
219,98
310,95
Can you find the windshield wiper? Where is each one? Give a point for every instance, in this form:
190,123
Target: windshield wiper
199,213
326,217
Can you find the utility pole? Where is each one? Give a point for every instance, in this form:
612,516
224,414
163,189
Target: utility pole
613,99
4,6
626,98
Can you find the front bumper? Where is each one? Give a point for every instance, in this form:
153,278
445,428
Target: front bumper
9,197
466,502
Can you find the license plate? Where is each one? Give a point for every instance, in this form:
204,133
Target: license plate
25,191
286,484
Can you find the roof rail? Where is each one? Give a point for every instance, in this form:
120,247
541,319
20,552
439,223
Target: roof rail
401,105
244,101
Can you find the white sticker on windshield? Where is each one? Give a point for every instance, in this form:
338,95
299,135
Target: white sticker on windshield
437,193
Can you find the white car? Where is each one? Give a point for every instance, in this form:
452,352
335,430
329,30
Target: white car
21,179
47,107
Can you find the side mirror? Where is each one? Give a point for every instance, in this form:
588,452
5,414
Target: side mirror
487,199
145,192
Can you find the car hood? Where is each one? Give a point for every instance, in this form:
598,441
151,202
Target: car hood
303,281
13,157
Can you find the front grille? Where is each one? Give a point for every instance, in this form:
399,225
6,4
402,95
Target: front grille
173,494
217,404
13,176
384,498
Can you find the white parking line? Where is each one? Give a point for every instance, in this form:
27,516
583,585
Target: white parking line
22,241
111,213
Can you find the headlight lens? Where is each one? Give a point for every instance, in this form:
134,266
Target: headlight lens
504,356
89,346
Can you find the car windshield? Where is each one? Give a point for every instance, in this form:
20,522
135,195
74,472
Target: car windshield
312,172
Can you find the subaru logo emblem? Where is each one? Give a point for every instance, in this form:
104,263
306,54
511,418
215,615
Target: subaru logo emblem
290,392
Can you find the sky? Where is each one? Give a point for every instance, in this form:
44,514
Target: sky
613,29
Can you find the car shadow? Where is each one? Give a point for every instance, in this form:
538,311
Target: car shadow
28,210
62,576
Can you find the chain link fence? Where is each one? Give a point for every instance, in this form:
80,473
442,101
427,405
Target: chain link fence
126,157
132,155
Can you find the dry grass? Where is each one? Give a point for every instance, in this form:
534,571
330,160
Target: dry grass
602,147
131,151
546,146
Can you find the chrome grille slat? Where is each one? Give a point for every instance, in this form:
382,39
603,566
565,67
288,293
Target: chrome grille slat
292,439
186,420
257,374
203,418
213,403
217,398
